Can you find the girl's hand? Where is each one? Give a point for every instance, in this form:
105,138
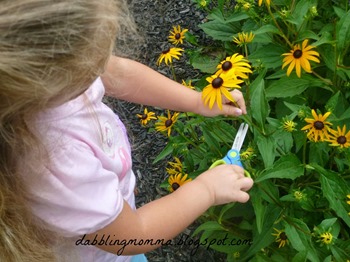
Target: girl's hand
228,108
226,183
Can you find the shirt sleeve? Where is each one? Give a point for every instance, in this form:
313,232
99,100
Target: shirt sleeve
76,195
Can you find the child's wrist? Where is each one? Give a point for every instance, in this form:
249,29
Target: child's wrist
206,190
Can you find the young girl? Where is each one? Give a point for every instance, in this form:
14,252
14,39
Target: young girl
65,173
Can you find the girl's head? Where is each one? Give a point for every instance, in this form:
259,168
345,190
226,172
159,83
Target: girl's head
50,52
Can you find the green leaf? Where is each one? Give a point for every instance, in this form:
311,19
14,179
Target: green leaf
343,33
219,31
208,226
269,56
288,166
339,254
205,63
209,139
335,189
266,29
259,105
299,236
236,17
291,86
265,238
267,147
259,208
299,14
164,153
327,53
301,256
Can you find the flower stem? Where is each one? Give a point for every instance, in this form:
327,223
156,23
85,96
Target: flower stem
279,28
173,71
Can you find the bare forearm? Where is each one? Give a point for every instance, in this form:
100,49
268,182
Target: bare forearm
161,219
132,81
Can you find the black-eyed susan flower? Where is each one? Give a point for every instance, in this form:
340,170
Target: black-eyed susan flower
168,55
236,63
318,128
175,181
289,125
299,58
281,237
267,2
166,123
146,116
339,137
243,38
177,35
176,167
188,84
326,238
219,84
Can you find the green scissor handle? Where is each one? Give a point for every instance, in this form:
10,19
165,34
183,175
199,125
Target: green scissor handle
232,157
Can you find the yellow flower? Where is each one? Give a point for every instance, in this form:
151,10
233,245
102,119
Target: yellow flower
166,123
169,54
281,237
146,116
339,137
203,3
244,38
219,84
245,155
299,58
237,63
175,181
189,84
348,202
299,195
318,127
177,35
326,238
289,125
176,167
268,2
247,6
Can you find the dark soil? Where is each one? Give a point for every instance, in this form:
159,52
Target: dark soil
154,20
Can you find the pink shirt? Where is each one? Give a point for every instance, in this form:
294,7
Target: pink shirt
90,175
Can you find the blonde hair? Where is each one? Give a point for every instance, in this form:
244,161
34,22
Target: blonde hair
50,52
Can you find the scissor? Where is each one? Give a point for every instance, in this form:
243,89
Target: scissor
232,157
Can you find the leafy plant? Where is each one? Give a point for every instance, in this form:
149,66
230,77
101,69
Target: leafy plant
297,149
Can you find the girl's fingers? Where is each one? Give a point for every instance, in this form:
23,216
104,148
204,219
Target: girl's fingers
246,183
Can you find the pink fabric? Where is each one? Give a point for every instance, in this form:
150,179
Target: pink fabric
90,173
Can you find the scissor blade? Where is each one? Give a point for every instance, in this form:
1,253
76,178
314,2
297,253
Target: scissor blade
240,136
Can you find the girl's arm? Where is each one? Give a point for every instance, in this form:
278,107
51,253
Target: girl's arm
134,82
168,216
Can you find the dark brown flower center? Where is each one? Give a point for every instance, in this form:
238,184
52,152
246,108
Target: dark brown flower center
226,66
318,125
217,82
166,51
175,186
144,117
168,122
177,36
297,53
341,140
283,236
